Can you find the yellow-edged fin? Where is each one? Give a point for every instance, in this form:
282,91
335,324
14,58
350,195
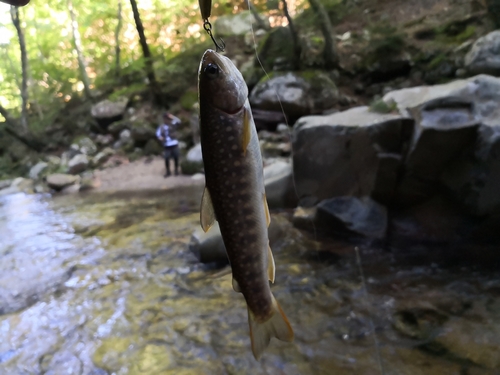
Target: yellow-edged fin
266,210
271,266
247,129
236,286
261,332
207,214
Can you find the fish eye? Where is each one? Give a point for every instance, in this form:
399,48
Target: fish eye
212,70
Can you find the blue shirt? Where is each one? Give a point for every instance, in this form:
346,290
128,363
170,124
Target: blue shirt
163,131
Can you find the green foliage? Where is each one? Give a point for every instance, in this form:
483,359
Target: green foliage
189,99
436,61
336,9
129,91
380,106
386,41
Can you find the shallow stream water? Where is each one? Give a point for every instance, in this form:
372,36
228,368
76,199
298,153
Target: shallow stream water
105,284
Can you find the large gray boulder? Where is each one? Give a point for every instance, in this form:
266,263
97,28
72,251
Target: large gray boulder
37,170
78,164
208,247
443,129
278,180
107,111
59,181
469,165
351,215
142,133
235,24
340,154
193,162
484,56
300,93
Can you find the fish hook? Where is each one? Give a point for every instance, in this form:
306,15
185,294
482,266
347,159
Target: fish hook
219,46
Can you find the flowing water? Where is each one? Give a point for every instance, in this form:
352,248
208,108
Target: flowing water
105,284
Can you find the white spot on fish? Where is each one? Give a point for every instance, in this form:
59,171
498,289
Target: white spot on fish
225,169
218,141
230,138
236,163
228,129
234,147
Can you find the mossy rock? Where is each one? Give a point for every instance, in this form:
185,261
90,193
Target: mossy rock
178,73
380,106
191,167
277,45
118,126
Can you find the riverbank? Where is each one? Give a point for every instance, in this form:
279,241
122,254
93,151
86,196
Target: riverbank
143,174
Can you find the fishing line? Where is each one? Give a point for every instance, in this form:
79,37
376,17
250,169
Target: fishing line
289,131
356,249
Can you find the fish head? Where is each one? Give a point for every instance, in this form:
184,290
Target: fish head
221,84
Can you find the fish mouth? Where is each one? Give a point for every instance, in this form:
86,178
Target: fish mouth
212,57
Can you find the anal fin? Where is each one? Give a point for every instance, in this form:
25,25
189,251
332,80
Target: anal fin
207,213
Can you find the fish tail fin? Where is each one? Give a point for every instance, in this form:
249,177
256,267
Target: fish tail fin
261,332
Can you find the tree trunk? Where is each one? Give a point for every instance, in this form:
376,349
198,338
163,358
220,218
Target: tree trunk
330,55
79,51
297,48
14,12
117,39
147,56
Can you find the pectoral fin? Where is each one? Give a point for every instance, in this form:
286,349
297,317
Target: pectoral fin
236,287
266,210
247,129
207,214
271,267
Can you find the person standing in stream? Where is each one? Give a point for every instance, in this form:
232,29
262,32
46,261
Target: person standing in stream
166,134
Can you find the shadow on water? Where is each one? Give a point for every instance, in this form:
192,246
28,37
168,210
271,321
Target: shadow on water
101,284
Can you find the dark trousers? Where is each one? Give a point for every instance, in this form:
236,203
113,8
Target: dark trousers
171,152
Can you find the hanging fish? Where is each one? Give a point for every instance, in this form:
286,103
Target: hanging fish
235,196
